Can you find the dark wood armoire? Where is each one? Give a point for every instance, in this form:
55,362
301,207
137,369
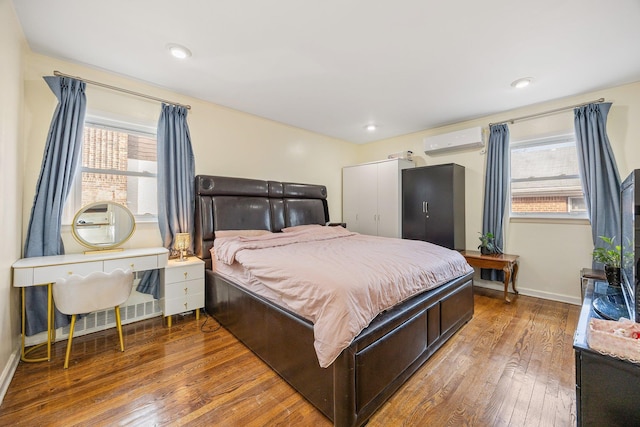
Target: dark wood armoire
433,205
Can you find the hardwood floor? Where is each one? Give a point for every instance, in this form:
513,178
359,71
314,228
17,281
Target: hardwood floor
511,365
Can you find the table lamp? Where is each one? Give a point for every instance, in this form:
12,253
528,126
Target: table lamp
181,244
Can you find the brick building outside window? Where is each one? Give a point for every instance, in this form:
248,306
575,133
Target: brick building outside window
545,180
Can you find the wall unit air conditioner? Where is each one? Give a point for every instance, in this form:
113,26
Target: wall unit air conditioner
458,140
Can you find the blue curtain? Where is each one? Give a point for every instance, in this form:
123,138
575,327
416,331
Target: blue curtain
496,190
59,164
600,177
176,175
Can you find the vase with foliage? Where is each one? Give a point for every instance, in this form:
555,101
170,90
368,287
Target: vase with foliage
610,256
487,244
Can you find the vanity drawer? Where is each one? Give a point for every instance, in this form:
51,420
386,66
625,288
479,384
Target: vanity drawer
182,273
50,273
23,277
140,263
183,289
182,304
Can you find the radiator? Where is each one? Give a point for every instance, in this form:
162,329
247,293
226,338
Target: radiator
138,307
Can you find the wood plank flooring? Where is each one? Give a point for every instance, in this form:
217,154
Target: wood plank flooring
511,365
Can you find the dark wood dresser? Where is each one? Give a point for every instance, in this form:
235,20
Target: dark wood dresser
607,388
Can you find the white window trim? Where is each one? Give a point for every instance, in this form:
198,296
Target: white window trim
116,123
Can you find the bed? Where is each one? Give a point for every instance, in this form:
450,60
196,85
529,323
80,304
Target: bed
376,362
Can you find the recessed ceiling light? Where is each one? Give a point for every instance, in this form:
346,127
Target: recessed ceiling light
178,51
371,127
521,83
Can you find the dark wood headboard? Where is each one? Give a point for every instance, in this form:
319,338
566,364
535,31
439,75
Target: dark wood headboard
224,203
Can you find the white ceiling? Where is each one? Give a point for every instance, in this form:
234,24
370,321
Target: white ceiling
334,66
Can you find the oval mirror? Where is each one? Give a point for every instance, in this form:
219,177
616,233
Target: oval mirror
103,225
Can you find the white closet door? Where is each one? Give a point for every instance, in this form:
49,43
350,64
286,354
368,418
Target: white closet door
359,198
388,197
368,199
371,195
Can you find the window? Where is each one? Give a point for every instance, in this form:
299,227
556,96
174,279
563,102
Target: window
545,180
119,163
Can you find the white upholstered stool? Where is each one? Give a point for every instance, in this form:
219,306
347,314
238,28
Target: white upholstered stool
75,295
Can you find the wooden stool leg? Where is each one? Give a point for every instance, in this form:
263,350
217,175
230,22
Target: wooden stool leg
119,326
70,339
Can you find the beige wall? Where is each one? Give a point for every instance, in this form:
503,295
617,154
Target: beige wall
552,253
12,47
225,141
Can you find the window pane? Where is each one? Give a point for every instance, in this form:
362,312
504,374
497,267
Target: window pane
577,204
120,166
142,154
545,179
141,195
98,187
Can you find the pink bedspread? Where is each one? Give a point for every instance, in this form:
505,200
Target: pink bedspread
337,279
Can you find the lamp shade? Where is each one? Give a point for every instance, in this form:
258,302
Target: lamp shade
182,241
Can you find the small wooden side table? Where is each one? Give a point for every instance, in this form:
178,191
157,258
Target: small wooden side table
504,262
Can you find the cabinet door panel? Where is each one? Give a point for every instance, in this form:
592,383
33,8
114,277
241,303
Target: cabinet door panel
439,198
413,197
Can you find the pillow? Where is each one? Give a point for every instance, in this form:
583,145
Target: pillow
301,227
244,233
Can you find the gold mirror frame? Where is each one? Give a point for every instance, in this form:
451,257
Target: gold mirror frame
103,225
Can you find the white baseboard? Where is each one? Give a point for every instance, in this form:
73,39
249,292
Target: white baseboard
529,292
8,371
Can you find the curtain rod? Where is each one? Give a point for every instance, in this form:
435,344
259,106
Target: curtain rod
130,92
546,113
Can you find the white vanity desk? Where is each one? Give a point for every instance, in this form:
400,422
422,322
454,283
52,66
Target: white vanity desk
43,271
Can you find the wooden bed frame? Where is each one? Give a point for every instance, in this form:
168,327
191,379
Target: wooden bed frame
379,360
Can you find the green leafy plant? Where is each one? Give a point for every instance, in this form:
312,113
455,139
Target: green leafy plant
487,244
610,255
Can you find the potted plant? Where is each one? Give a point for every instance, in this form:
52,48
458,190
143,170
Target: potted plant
487,244
610,257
